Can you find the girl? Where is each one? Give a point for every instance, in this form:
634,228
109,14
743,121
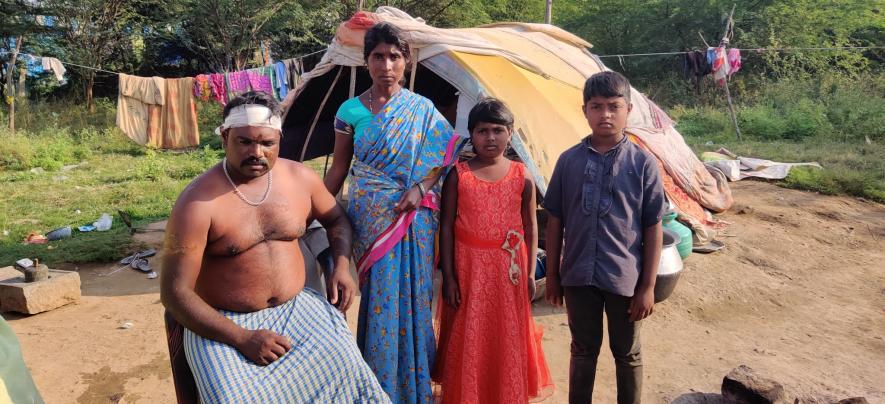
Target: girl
489,350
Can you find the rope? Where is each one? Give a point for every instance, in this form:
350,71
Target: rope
2,52
747,50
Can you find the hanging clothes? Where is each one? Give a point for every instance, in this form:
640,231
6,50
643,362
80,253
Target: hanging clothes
237,83
217,87
260,79
201,87
734,61
295,70
178,127
136,99
56,67
694,64
158,112
282,82
720,65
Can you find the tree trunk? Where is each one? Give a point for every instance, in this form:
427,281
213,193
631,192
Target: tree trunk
10,84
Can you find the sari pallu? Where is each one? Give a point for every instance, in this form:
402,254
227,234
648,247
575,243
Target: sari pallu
404,143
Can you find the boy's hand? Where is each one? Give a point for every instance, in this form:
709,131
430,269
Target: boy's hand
553,294
451,292
642,304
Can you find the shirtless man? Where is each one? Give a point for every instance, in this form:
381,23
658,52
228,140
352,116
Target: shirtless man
233,275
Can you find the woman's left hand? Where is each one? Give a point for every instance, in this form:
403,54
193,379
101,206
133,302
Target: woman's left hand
411,200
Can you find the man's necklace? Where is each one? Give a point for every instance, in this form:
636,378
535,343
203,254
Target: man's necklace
240,194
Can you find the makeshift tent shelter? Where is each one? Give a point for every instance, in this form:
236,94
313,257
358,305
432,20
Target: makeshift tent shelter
538,70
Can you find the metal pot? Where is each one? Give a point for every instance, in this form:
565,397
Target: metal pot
669,268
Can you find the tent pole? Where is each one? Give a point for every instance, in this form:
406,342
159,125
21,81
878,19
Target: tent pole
729,24
319,111
548,15
352,82
414,69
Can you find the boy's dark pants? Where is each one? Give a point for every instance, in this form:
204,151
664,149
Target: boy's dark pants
584,305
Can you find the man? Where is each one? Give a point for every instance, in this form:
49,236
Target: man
233,275
605,201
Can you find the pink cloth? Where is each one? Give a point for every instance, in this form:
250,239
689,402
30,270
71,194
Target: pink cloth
216,85
260,80
734,61
238,83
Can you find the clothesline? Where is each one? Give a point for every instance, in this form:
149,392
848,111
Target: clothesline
118,73
746,50
599,56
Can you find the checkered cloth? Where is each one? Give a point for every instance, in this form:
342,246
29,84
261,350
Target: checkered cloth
323,366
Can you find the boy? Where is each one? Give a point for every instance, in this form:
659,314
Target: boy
605,199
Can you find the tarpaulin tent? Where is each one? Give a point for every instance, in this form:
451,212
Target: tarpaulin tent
538,70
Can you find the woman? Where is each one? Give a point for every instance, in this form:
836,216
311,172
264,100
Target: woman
400,145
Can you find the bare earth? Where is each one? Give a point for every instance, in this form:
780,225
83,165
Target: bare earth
798,294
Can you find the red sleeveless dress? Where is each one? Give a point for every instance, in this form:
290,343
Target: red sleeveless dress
490,348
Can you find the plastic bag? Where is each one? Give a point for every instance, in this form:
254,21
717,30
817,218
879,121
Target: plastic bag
104,222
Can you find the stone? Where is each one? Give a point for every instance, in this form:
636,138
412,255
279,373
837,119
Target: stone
62,287
744,385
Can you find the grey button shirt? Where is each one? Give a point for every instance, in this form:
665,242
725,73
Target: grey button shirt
604,200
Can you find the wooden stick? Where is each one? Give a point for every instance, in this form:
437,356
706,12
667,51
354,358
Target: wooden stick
319,111
10,89
725,41
414,69
352,82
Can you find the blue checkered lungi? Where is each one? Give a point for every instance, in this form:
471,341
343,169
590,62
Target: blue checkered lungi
323,366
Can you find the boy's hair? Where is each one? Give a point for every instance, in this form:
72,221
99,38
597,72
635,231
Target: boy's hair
490,110
607,84
386,33
256,98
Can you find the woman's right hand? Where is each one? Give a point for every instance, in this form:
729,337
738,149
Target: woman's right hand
451,292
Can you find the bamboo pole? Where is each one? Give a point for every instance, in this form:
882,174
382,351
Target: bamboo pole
10,83
316,118
728,27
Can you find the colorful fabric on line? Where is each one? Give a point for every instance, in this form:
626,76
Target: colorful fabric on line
405,143
201,87
260,79
237,83
323,366
282,84
216,85
734,61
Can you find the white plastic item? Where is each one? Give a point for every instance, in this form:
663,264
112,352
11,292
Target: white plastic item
104,222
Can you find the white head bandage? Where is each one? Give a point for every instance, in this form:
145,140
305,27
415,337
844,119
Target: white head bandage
250,115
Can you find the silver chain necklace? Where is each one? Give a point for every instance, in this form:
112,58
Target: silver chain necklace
240,194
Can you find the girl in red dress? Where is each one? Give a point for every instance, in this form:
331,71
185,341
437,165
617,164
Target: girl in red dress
489,349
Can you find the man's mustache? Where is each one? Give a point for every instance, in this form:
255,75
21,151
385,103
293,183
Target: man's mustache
253,161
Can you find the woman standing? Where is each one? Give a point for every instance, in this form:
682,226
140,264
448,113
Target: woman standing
400,146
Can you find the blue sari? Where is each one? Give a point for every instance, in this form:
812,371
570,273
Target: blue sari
404,144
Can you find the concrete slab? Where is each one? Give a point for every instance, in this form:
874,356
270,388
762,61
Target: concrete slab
62,287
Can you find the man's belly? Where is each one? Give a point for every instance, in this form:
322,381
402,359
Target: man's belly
266,275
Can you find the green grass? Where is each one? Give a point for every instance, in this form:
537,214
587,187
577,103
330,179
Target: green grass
111,173
849,168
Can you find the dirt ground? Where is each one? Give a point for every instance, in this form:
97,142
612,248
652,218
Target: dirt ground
798,294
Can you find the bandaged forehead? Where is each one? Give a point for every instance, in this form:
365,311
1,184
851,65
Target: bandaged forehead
251,115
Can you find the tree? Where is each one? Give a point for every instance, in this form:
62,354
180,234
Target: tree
94,32
226,33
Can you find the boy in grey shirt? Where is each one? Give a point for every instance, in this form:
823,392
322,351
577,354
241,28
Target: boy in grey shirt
605,201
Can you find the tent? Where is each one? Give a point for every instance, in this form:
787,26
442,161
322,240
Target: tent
538,70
